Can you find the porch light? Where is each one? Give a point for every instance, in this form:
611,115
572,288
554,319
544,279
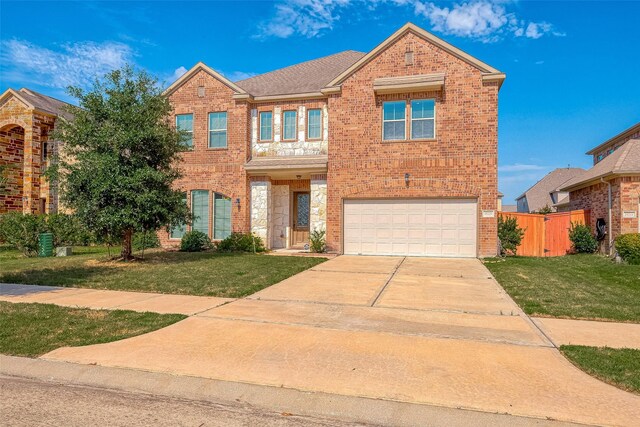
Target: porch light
406,179
298,176
238,202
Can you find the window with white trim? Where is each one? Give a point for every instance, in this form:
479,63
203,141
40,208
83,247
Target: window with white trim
221,216
184,122
314,123
423,119
393,120
200,210
289,125
266,126
178,231
218,130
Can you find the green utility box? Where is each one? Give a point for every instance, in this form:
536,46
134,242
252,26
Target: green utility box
45,244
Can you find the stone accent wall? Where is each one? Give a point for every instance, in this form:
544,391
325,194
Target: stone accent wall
261,209
35,128
460,162
318,213
280,217
301,146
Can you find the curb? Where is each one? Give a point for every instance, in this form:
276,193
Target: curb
348,408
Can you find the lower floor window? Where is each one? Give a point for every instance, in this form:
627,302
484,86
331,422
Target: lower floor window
221,216
178,231
200,210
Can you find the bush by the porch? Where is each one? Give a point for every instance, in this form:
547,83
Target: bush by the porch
628,247
241,242
195,241
582,239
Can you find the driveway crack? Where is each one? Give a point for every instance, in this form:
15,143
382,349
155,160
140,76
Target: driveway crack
383,287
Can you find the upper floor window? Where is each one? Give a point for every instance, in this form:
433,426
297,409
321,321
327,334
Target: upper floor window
218,130
314,124
423,119
266,126
184,122
600,157
289,125
393,120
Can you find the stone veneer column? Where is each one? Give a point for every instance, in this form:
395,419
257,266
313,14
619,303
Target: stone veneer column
280,215
261,208
318,212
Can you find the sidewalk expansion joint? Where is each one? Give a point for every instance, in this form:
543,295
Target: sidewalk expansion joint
383,287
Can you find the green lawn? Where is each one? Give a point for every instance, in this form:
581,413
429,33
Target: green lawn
620,367
34,329
573,286
203,273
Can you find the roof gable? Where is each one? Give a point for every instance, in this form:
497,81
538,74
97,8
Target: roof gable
539,195
37,101
625,160
201,66
486,69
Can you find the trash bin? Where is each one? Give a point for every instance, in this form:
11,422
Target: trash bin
45,244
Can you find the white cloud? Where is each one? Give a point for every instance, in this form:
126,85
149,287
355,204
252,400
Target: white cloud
179,72
484,20
76,64
519,167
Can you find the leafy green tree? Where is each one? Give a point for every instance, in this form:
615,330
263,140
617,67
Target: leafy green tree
118,165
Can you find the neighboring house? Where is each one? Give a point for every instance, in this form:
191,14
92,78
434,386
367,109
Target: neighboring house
390,152
611,188
546,192
26,120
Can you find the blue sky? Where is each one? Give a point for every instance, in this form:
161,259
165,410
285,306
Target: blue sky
572,67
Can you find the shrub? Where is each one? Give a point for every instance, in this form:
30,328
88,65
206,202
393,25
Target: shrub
582,239
67,230
21,231
628,247
241,242
509,234
318,243
195,241
145,240
545,210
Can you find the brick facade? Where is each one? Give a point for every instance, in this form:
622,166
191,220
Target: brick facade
625,196
23,134
460,162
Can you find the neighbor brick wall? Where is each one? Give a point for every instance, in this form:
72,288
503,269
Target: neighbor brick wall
460,162
605,151
629,202
214,169
28,186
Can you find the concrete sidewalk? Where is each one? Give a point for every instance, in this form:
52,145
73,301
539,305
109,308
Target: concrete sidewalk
590,333
109,300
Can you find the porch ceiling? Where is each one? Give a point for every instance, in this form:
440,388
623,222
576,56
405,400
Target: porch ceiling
287,167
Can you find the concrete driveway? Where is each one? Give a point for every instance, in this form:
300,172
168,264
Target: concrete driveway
418,330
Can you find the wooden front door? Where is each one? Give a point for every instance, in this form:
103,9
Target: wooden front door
300,217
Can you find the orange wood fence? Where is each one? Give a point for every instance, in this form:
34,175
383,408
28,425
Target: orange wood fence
547,235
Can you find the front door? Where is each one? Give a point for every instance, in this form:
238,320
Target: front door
301,204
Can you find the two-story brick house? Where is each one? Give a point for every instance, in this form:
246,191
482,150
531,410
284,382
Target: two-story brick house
390,152
611,188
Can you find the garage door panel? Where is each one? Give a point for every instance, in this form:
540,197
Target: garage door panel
420,227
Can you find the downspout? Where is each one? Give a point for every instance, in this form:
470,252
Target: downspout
609,216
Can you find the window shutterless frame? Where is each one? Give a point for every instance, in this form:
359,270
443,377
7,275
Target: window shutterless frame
184,122
314,124
423,118
394,120
265,126
289,125
218,129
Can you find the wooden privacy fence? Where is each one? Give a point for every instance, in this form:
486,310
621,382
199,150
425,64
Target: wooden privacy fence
547,235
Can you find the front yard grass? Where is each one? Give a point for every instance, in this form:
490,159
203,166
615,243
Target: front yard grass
573,286
35,329
203,273
620,367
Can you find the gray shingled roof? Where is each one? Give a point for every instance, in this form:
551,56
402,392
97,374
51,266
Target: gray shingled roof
310,76
45,103
539,195
624,160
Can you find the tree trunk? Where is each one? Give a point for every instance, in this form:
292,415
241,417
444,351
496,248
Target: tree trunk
126,245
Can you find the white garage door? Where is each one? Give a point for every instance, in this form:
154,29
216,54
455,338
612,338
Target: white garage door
418,227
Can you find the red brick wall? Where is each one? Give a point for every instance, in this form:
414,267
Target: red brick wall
12,153
460,162
629,202
214,169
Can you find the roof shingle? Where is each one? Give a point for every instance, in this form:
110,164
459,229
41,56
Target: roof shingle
539,195
306,77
